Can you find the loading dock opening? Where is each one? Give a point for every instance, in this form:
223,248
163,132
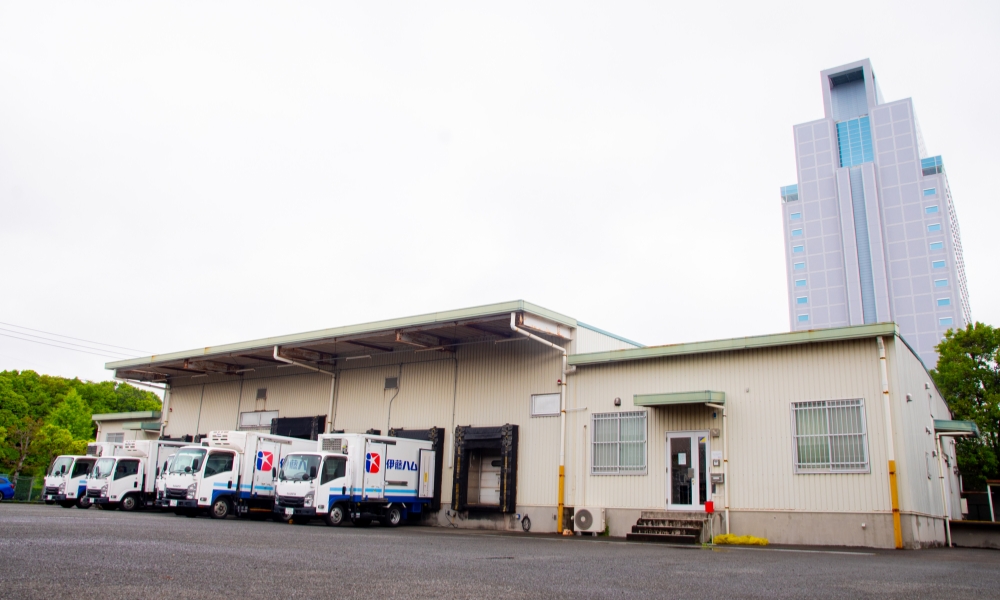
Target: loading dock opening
485,476
435,435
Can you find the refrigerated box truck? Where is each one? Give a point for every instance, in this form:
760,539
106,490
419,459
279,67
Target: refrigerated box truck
66,479
233,471
359,477
126,479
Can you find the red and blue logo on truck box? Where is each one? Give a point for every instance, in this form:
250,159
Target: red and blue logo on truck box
373,462
265,460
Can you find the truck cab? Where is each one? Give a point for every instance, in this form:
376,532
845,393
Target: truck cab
66,481
161,481
313,484
115,481
199,478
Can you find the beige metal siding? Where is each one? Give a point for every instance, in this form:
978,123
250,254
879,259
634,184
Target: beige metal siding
182,416
588,340
760,386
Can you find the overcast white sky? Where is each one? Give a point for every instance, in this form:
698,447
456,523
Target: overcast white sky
176,175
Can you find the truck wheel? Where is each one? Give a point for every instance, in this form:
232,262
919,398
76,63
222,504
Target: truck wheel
393,517
129,503
83,502
220,509
335,518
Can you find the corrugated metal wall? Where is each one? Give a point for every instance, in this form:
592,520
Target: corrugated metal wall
588,340
760,386
915,444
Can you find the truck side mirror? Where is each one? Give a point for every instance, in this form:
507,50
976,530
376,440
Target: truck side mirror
312,472
195,465
157,472
274,472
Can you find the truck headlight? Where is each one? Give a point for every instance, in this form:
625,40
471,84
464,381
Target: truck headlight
192,489
104,490
309,499
62,488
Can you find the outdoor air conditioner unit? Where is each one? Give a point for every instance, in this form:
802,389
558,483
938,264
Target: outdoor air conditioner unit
588,520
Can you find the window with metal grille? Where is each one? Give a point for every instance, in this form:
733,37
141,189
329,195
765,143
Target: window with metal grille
257,420
114,437
830,436
618,443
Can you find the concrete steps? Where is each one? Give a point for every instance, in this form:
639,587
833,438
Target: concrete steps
668,527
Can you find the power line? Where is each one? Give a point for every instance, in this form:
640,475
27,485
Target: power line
73,338
69,343
63,347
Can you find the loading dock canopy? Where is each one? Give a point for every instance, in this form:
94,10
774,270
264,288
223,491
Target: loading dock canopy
946,426
323,349
677,398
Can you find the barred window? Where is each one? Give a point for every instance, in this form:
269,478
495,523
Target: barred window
618,443
259,420
116,438
830,436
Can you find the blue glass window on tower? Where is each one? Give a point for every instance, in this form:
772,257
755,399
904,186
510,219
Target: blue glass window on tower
790,193
799,266
802,300
940,283
803,318
934,227
855,140
930,191
937,245
796,232
938,264
931,165
794,216
944,301
797,249
945,321
931,209
800,283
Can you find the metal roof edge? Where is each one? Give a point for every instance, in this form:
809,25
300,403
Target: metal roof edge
609,334
743,343
373,326
679,398
134,415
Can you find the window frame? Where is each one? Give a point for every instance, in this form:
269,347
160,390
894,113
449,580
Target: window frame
117,437
258,427
799,470
534,413
619,469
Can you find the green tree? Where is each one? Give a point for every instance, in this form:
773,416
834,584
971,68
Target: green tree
73,415
968,375
50,442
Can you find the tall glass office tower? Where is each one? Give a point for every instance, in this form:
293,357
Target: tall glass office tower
870,228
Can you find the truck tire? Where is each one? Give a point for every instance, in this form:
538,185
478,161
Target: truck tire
84,502
335,518
129,503
67,503
220,508
393,517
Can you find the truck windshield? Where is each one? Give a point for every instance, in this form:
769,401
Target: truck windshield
185,459
63,463
82,467
103,468
299,467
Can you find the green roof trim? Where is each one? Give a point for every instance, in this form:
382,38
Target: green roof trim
138,415
372,327
610,335
141,425
744,343
949,426
675,398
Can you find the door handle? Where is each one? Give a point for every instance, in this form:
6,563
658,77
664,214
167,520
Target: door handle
230,485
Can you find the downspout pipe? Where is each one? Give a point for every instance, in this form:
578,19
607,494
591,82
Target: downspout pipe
944,491
897,529
562,415
725,456
333,382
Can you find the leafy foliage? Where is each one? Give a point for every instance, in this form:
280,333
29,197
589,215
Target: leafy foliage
42,416
968,375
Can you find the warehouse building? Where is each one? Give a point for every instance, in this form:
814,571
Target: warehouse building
792,436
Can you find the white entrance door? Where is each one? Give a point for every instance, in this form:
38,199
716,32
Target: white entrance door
687,470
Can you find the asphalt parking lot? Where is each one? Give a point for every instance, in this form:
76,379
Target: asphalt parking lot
50,552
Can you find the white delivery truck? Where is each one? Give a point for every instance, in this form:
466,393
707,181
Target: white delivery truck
126,479
359,477
161,481
232,471
66,479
